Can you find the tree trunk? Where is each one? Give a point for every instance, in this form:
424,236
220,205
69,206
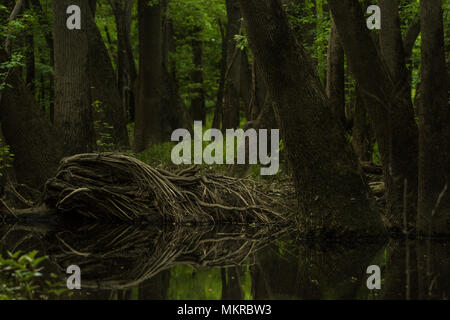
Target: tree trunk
198,109
73,111
36,5
27,130
329,183
434,117
126,67
336,76
223,69
361,137
259,91
246,83
392,116
391,44
231,106
148,105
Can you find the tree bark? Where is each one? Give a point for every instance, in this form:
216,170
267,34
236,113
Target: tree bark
392,115
73,111
361,137
245,83
148,110
36,5
126,67
434,134
260,95
330,186
391,43
336,76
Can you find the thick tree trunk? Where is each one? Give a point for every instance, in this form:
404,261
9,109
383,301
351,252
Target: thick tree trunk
330,186
336,76
104,89
434,117
392,115
27,130
148,105
73,111
231,106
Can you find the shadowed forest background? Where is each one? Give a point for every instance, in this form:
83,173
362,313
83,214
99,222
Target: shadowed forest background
363,116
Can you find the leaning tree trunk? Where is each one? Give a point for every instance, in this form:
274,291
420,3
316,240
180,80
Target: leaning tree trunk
27,130
330,186
391,113
148,109
434,117
73,111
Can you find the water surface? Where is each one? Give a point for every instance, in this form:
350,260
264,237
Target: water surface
230,262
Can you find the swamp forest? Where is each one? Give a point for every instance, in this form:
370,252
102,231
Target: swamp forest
224,149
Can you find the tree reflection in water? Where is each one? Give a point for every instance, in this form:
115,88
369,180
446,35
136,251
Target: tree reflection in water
232,262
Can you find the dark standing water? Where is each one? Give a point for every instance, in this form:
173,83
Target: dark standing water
233,262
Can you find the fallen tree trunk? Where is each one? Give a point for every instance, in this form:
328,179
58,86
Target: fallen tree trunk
113,185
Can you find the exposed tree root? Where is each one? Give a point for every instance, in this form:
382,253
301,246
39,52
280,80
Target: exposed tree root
113,185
